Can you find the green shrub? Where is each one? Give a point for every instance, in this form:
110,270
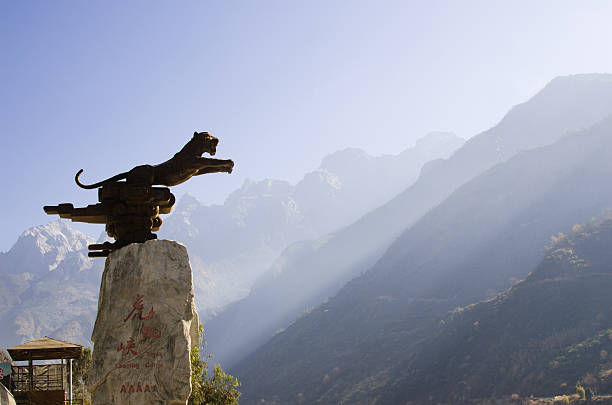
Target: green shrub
580,391
219,389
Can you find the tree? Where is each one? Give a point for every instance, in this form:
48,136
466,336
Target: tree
580,391
80,371
219,389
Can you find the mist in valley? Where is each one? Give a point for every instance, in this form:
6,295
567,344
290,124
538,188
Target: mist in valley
420,210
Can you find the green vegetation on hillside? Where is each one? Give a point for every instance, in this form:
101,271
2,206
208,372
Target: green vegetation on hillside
543,337
80,370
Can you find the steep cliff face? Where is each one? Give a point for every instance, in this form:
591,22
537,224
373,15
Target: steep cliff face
481,235
310,271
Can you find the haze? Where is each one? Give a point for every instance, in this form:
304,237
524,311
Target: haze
107,86
420,209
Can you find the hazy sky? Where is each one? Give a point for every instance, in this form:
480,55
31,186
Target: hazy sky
105,86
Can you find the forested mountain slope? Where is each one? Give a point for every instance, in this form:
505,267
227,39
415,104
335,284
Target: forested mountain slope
542,337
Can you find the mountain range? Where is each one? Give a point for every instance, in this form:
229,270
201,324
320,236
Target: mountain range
448,273
475,242
309,272
231,245
50,287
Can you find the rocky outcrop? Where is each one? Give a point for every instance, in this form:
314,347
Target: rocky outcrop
146,324
5,396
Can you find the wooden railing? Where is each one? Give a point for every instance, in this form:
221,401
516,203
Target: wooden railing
27,398
46,378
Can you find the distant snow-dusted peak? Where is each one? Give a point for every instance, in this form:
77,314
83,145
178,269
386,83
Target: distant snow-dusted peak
45,246
55,235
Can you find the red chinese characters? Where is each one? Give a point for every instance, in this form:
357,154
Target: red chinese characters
133,345
128,347
138,308
150,332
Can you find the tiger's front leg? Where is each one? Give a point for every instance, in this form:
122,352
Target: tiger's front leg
208,165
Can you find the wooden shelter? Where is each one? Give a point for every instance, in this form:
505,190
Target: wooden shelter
46,383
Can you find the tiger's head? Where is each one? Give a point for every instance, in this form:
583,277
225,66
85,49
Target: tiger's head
200,143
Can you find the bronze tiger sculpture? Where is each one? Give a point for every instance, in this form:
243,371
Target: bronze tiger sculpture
130,209
180,168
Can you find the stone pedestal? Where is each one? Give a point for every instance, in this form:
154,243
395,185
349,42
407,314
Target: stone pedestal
146,325
5,396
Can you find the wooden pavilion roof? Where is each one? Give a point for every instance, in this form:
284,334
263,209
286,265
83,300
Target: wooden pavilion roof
45,349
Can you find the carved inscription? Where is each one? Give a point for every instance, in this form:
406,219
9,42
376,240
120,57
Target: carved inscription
150,332
147,359
134,388
128,348
146,325
137,308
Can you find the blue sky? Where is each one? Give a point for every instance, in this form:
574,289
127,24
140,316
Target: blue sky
105,86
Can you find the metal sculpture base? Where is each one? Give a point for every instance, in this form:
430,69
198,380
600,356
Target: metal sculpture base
131,214
104,249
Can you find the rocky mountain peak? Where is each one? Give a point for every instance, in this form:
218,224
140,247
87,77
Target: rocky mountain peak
339,161
187,203
45,246
251,188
